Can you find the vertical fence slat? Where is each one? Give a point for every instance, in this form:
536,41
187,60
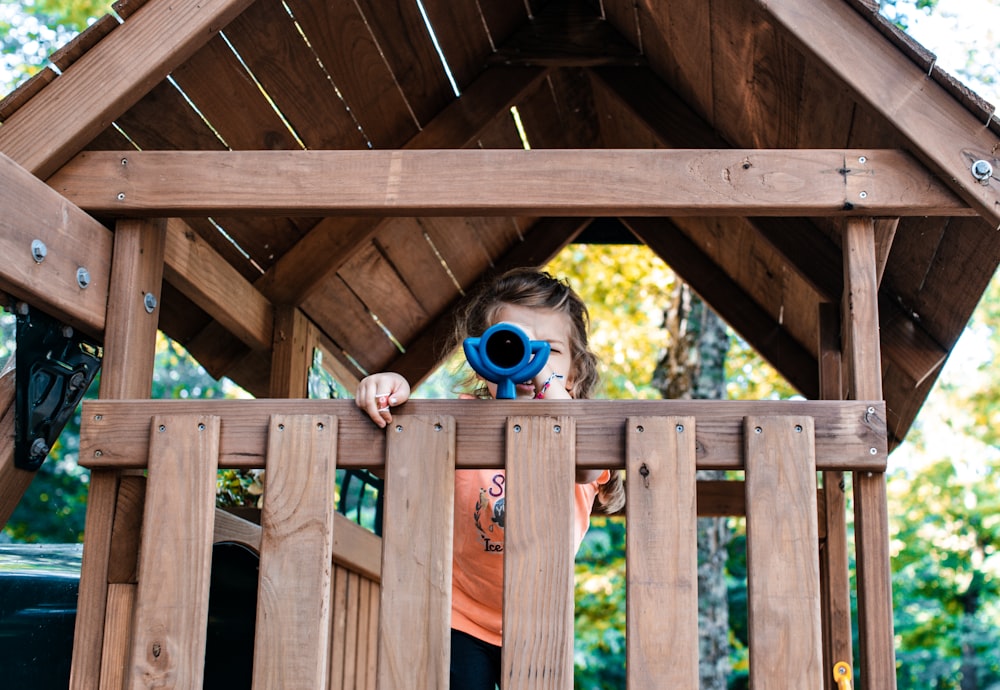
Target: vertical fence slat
786,647
539,554
661,553
175,558
415,612
338,628
293,607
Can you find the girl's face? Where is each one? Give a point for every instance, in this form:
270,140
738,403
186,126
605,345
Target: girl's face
541,324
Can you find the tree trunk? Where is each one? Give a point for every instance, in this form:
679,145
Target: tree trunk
693,367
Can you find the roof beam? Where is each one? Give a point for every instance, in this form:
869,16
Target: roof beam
43,134
567,182
730,301
943,133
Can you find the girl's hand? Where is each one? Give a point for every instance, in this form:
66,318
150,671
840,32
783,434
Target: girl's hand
379,392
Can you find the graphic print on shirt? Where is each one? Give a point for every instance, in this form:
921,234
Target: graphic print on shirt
489,514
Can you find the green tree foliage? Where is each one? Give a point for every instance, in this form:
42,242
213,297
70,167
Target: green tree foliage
31,30
945,505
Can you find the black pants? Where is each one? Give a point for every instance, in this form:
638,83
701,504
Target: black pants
475,665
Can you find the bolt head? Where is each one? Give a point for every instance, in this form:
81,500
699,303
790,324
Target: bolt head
982,171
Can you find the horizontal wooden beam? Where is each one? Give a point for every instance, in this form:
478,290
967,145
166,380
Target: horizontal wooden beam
850,435
45,242
572,182
942,131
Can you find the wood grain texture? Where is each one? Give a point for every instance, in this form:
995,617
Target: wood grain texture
662,553
202,274
115,433
13,480
293,606
171,610
680,182
942,131
32,211
871,517
415,609
142,51
786,648
538,554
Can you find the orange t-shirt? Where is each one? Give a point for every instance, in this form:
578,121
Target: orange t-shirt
477,564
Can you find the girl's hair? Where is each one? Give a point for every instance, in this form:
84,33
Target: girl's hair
527,287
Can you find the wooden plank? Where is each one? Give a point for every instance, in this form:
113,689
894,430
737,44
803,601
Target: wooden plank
349,324
344,44
142,51
171,611
370,276
374,593
214,79
416,554
351,632
834,558
13,480
114,661
292,354
782,562
871,509
945,135
403,37
293,605
501,182
538,554
338,626
114,433
662,553
127,372
196,269
32,211
271,45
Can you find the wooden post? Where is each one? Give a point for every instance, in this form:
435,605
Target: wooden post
112,526
13,480
291,357
871,511
834,561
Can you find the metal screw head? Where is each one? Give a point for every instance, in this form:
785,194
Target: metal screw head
38,251
149,301
39,449
982,171
863,195
121,196
82,277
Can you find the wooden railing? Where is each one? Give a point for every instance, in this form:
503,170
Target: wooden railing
302,637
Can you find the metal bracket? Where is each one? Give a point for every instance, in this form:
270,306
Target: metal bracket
54,368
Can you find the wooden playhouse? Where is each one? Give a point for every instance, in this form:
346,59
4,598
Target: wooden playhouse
261,179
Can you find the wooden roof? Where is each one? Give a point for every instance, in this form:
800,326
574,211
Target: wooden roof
782,118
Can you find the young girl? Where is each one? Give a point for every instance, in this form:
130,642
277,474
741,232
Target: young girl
546,309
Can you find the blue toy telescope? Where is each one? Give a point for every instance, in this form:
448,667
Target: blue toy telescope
506,356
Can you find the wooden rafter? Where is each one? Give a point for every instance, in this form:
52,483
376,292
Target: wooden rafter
41,135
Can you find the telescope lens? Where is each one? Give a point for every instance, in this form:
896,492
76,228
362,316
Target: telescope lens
505,349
